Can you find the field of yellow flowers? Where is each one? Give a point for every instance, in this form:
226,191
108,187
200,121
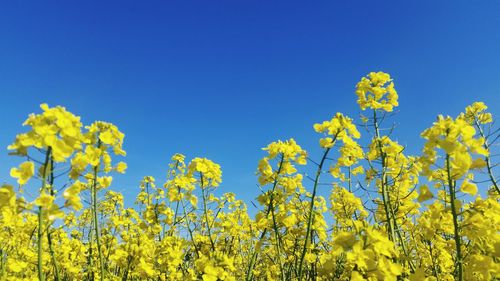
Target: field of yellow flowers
389,216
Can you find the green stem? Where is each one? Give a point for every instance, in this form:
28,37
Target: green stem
393,229
454,212
383,180
277,238
90,261
205,212
96,219
41,276
49,234
311,210
171,231
129,261
52,254
190,231
2,261
433,260
264,232
487,158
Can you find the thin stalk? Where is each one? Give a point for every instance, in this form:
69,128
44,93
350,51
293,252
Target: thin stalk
385,193
393,229
90,276
2,267
490,174
311,210
129,261
49,234
205,212
41,276
171,230
454,212
174,221
189,228
264,232
96,219
487,159
350,190
278,239
52,254
434,265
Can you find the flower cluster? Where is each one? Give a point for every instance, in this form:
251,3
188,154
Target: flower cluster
376,91
361,210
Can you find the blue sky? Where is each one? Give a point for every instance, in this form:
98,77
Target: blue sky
222,79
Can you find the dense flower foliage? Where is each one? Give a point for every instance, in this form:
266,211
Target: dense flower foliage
361,210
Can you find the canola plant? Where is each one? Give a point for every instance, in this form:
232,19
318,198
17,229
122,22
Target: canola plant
389,216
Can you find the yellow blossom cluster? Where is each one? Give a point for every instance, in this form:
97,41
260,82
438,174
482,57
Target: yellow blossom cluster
386,215
376,91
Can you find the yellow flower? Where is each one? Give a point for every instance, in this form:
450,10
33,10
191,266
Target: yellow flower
107,137
193,200
372,230
7,196
146,269
346,240
44,200
211,174
290,220
476,112
104,181
468,187
23,173
55,128
424,193
16,266
326,142
210,273
356,276
72,195
121,167
377,91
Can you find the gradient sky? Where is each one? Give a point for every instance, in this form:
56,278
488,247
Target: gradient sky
222,79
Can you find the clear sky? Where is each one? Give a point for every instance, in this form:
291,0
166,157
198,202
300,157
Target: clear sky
222,79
